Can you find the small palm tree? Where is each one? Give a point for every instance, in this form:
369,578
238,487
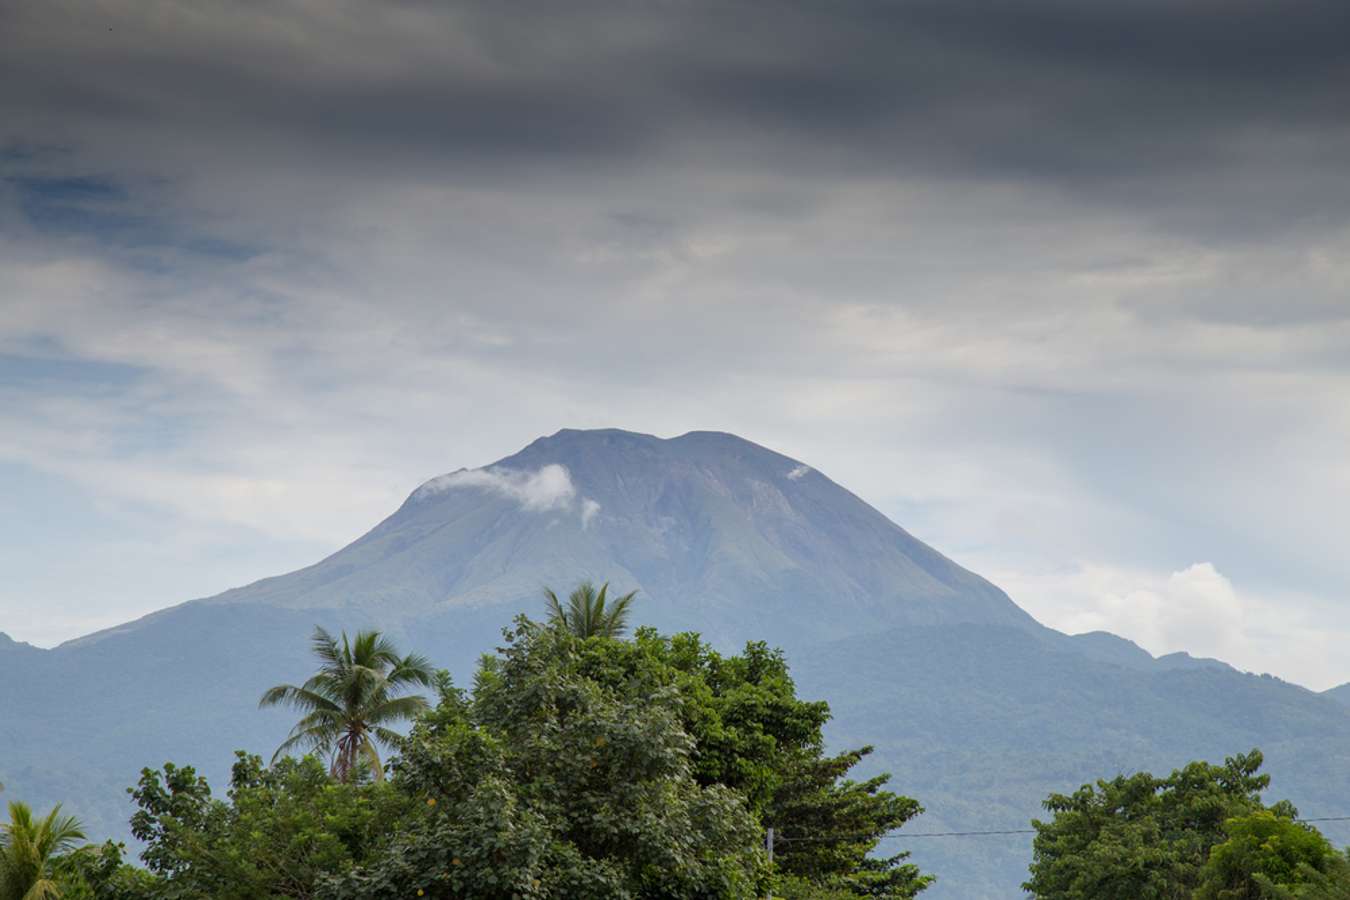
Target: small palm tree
27,848
587,613
350,702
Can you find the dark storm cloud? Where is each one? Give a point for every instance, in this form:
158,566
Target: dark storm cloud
1084,95
1226,118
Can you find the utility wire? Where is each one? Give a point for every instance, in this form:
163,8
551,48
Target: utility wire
780,838
889,837
925,834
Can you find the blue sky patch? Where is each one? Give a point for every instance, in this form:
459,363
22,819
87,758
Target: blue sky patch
32,371
102,209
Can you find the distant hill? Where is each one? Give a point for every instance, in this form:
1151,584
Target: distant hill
1340,693
982,722
977,709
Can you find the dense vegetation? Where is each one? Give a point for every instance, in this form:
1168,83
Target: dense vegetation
580,764
584,764
1202,833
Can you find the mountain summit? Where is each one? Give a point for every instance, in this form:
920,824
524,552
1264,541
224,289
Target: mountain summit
715,532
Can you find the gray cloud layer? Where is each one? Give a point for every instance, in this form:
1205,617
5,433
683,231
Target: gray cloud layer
1073,93
1062,286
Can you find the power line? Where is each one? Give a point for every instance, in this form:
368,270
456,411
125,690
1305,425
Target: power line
780,838
958,833
896,836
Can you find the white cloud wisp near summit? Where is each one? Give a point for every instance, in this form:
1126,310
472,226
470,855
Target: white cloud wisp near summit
547,488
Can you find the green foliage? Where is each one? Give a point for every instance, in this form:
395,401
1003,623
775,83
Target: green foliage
548,783
1201,834
833,825
579,766
1264,851
283,831
753,734
588,613
350,702
101,873
28,849
1310,883
1138,837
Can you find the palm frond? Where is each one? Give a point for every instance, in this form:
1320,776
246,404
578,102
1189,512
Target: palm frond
317,732
582,607
27,848
325,646
556,614
386,735
396,709
318,740
589,612
380,651
353,692
329,683
300,698
286,746
43,889
373,757
412,669
321,720
58,833
616,618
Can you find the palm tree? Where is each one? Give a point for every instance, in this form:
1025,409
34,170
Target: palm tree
350,702
586,613
26,851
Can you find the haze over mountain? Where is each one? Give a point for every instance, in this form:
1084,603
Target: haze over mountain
977,709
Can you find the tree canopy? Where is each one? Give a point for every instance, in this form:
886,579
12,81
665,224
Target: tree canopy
279,833
1264,852
1202,833
575,766
1139,837
547,783
753,734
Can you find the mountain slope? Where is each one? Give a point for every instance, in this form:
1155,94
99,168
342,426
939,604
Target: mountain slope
978,709
715,532
1340,693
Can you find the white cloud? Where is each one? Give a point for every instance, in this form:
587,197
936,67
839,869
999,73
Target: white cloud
1196,609
549,487
798,472
589,510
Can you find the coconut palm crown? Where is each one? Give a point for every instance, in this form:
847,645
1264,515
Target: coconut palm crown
349,704
27,849
587,613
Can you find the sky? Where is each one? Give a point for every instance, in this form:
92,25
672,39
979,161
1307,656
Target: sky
1061,287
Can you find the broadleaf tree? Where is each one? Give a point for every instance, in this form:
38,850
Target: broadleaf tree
1141,837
